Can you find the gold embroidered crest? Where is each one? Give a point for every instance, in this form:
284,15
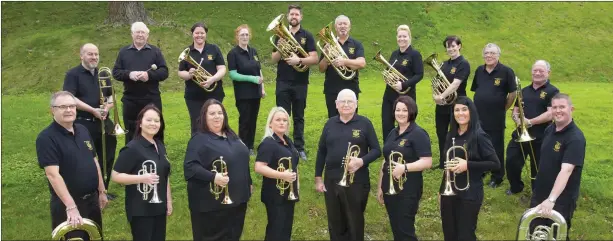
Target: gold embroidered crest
405,62
452,70
557,146
256,58
356,133
303,41
497,81
402,142
351,50
89,145
543,94
210,56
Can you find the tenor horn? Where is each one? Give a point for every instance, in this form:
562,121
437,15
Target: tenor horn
332,50
200,75
439,81
287,44
391,75
283,185
148,167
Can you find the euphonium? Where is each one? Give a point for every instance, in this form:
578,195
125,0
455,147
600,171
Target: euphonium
148,167
200,75
401,180
448,180
332,50
283,185
287,44
524,136
352,151
89,226
391,75
542,232
220,166
439,81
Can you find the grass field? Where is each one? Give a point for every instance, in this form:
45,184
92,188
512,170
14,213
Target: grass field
40,42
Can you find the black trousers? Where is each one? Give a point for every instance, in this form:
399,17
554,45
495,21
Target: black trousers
516,157
224,224
345,207
131,108
288,98
151,228
567,210
459,217
95,131
280,220
401,210
442,117
193,108
248,110
497,138
88,208
331,104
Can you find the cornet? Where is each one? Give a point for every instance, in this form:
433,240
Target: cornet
283,185
352,151
220,166
542,232
448,180
402,179
145,188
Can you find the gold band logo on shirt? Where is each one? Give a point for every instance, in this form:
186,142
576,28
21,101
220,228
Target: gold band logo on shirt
351,50
402,142
302,41
89,145
543,94
356,133
452,70
557,146
405,62
210,56
497,81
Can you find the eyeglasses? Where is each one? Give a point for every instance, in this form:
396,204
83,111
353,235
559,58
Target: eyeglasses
65,107
490,53
346,102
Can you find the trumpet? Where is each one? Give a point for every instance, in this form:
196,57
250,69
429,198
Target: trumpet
448,180
402,179
89,226
283,185
146,189
439,81
391,75
332,50
287,44
522,130
557,231
220,166
352,151
200,75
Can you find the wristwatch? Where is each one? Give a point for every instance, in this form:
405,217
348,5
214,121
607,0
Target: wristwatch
552,200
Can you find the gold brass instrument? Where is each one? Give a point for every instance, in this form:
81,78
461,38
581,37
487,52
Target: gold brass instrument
401,180
287,44
148,167
557,231
352,151
200,75
448,180
89,226
283,185
220,166
332,50
439,81
522,131
391,75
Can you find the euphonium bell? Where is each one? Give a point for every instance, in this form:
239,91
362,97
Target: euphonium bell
448,191
220,166
200,75
89,226
148,167
401,180
439,81
352,151
557,231
332,50
289,45
283,185
391,75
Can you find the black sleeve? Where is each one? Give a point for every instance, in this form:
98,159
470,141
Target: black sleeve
551,95
489,160
71,83
322,151
574,152
359,50
373,144
462,72
119,73
474,85
184,66
47,152
421,143
310,43
193,168
162,72
276,39
511,85
232,63
266,151
219,57
418,69
126,160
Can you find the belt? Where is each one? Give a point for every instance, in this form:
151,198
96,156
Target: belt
86,196
87,119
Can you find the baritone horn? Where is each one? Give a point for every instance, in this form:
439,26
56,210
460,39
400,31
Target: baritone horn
284,185
220,166
352,151
391,75
439,81
200,75
448,180
287,44
89,226
332,50
557,231
400,161
148,167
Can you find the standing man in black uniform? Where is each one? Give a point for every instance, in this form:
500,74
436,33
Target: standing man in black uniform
292,85
141,67
494,86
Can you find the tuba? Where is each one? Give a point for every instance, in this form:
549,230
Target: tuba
283,185
391,75
522,130
220,166
401,180
332,50
89,226
439,81
352,151
542,232
148,167
287,44
200,75
448,180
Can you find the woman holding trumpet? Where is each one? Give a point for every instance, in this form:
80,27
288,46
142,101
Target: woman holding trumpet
407,153
208,57
461,191
216,169
277,161
142,166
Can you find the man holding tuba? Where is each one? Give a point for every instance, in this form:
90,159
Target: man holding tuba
347,56
87,87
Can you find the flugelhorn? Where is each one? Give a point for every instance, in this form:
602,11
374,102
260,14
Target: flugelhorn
522,131
200,75
148,167
391,75
220,166
283,185
557,231
448,180
439,81
332,50
400,160
352,151
89,226
287,44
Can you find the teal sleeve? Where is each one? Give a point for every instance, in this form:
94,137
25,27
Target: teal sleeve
234,75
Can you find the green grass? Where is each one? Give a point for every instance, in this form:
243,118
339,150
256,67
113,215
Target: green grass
40,43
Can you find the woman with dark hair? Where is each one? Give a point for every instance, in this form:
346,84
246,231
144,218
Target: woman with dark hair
213,218
145,211
459,211
209,57
410,143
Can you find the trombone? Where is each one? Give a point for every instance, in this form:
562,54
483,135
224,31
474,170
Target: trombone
402,179
283,185
352,151
200,75
522,130
145,188
220,166
448,180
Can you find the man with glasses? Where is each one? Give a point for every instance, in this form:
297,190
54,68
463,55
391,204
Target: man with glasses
345,205
494,86
66,152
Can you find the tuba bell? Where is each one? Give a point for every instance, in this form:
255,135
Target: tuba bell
439,81
391,75
332,50
557,231
220,166
148,167
200,75
352,151
287,44
448,180
401,180
283,185
89,226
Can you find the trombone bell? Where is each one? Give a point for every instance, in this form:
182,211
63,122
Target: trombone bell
118,130
524,136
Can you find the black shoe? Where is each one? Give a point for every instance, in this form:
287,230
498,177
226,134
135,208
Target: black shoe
110,196
302,155
493,184
509,192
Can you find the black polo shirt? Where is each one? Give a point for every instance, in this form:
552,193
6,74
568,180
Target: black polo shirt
413,143
287,73
333,145
270,151
410,65
245,62
73,154
535,103
130,161
209,59
491,90
481,158
564,146
333,83
202,150
131,59
84,85
457,68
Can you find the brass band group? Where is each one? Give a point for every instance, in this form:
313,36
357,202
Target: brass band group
77,150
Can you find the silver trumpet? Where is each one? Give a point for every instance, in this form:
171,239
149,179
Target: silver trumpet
148,167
